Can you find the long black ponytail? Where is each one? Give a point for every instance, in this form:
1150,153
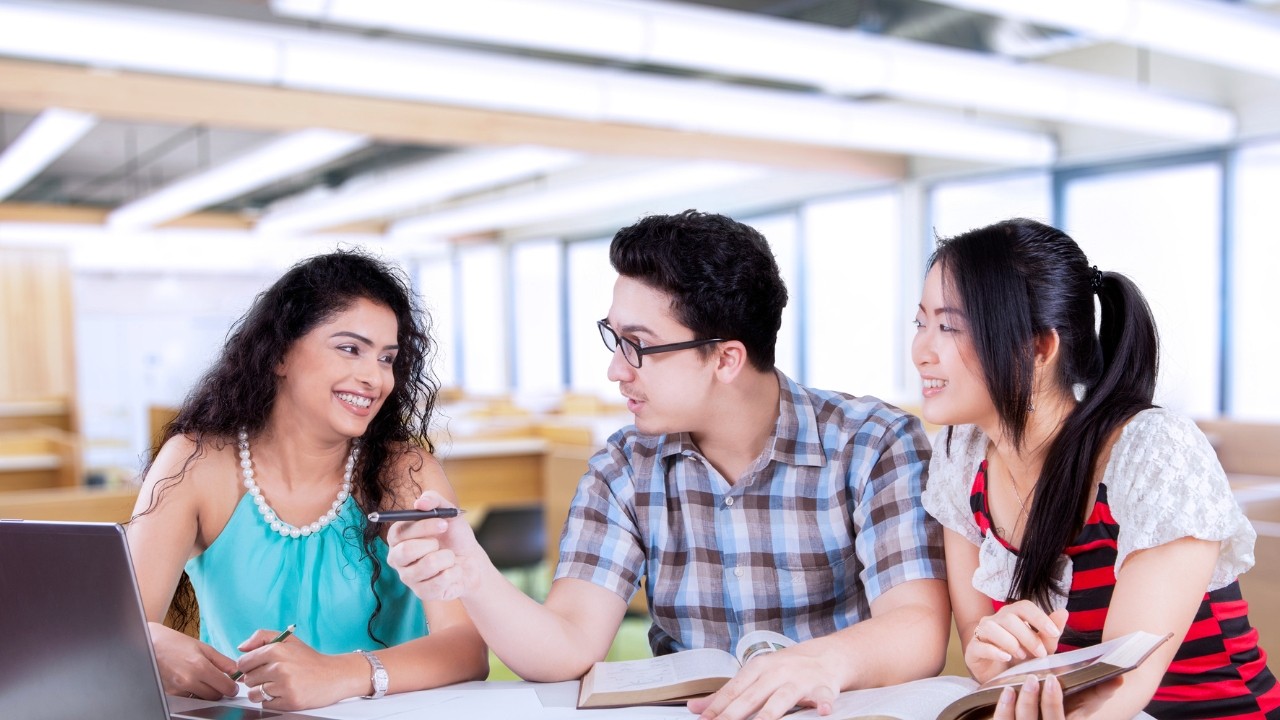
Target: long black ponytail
1017,280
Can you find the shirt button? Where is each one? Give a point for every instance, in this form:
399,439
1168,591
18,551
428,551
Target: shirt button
728,501
737,572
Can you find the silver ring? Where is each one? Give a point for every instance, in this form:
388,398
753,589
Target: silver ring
266,696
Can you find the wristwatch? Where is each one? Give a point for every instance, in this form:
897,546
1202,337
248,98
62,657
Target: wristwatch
379,675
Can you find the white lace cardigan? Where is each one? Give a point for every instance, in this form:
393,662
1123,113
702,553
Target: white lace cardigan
1163,482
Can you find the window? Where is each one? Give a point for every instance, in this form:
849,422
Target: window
435,285
590,295
539,323
482,359
959,206
855,313
1255,256
1161,227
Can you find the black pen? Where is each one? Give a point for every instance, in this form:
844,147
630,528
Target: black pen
279,638
397,515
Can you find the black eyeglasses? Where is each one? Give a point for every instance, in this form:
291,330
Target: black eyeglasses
633,353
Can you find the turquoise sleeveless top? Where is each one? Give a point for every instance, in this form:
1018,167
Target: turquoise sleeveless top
252,578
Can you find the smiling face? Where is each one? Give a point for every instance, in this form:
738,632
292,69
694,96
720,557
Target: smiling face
669,392
339,374
954,391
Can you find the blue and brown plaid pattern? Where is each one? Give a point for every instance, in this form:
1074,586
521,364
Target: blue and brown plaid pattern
826,519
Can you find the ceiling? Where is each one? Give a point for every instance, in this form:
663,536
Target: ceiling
512,118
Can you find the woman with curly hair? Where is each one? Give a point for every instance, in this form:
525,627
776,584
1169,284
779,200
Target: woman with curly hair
314,415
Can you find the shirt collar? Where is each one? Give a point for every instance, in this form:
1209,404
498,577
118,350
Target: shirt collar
796,439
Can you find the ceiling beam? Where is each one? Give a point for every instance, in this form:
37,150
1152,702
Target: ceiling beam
18,212
80,215
31,87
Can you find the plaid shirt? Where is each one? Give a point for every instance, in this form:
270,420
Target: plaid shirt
823,522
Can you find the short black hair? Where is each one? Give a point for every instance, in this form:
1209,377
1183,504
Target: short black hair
720,274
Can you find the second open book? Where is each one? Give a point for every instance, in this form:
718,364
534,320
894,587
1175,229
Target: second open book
680,676
674,678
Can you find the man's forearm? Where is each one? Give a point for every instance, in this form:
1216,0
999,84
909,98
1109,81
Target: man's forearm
543,642
904,642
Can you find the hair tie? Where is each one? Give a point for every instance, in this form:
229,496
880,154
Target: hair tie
1096,280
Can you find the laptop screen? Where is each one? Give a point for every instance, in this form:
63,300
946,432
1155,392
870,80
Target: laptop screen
75,637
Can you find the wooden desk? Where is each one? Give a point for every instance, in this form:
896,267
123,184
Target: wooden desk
38,458
495,472
79,504
30,414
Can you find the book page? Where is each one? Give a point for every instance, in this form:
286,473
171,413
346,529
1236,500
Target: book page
918,700
759,642
1122,652
663,670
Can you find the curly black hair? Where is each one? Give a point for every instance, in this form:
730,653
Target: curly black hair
239,390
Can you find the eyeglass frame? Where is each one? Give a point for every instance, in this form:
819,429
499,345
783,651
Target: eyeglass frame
604,327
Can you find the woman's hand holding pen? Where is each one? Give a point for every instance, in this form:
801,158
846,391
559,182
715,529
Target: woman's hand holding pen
438,559
291,675
1016,632
191,668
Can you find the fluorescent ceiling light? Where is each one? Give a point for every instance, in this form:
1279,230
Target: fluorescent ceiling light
49,135
278,159
1214,32
379,67
428,182
593,194
744,45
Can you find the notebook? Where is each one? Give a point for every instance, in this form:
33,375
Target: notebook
75,639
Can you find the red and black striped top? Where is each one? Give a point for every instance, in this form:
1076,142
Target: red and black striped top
1218,672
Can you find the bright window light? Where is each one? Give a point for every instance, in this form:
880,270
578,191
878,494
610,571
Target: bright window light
483,356
852,265
591,281
1162,228
536,287
1256,255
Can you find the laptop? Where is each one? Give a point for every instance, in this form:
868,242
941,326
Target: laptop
73,634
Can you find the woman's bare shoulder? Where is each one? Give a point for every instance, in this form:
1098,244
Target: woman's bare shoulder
186,466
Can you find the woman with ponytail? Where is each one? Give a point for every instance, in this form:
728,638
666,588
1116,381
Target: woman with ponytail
1075,510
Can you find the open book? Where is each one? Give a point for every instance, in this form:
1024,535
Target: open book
672,679
957,698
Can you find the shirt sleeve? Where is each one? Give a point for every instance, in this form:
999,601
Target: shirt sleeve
951,472
601,543
896,541
1164,482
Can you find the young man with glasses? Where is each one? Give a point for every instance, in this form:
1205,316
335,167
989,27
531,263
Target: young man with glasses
743,500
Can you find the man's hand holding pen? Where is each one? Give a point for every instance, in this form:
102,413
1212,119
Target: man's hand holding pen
437,558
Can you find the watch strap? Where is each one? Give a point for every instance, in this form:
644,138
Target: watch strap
378,674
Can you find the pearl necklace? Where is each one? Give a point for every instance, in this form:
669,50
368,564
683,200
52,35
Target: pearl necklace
270,517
